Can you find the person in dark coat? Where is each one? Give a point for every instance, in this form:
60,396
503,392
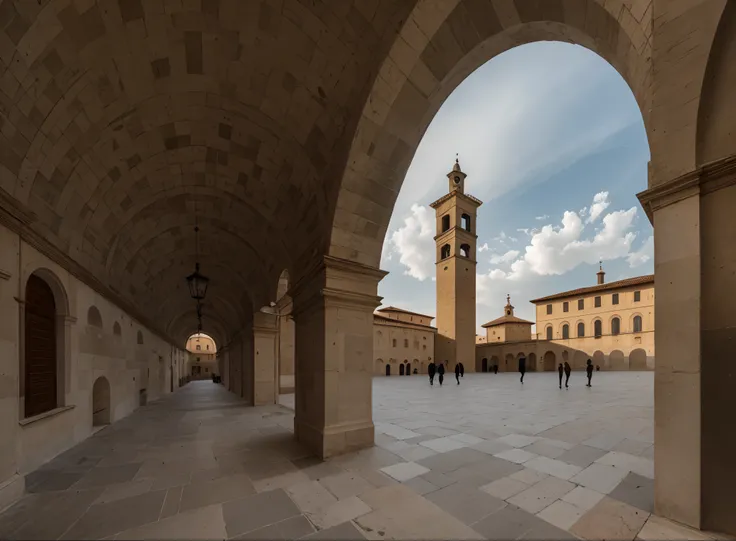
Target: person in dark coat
495,369
589,371
431,370
457,372
522,368
560,370
441,372
462,370
568,371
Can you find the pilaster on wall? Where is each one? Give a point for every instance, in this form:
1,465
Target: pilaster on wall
333,312
695,269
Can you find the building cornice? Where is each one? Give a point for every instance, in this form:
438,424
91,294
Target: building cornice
456,229
706,179
457,193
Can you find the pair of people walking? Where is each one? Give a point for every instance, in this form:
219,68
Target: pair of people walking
433,369
567,370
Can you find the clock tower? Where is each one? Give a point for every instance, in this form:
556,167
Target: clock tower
456,241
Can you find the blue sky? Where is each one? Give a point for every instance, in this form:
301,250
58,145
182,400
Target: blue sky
554,144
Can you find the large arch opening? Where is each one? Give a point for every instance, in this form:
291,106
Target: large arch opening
202,357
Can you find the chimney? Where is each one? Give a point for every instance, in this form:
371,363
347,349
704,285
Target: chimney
601,274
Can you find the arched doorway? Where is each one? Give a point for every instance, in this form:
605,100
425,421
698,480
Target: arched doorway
407,370
550,361
401,369
40,354
579,360
638,360
101,402
616,360
388,369
484,365
599,360
494,363
531,362
508,363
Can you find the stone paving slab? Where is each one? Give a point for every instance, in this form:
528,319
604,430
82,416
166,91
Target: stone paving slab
484,459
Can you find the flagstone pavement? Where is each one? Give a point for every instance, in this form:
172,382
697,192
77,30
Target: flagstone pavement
487,459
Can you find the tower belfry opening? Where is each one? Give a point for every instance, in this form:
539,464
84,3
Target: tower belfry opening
455,268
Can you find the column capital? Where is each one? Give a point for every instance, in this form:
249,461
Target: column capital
337,281
265,321
708,178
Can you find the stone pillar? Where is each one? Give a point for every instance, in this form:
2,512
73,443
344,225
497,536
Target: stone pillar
695,375
285,345
265,344
246,364
333,312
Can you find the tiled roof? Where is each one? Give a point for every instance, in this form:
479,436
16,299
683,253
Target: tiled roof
394,309
384,319
506,319
638,280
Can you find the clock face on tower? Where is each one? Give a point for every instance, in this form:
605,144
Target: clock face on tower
457,180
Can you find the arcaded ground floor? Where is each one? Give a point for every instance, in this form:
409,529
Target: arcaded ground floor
485,459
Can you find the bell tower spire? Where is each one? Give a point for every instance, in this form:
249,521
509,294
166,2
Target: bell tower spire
456,177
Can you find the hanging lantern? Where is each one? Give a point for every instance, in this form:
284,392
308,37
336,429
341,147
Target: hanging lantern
197,284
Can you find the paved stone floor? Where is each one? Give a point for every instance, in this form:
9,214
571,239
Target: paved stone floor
484,459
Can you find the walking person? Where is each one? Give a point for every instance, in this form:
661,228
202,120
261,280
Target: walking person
431,370
560,371
457,372
522,368
462,370
441,372
495,369
568,370
589,371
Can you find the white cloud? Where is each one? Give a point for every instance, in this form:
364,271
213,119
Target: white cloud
600,203
543,217
508,257
503,238
643,254
414,243
483,248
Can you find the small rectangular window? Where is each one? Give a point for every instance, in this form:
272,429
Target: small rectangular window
614,298
549,309
581,304
394,342
597,302
565,306
406,342
637,296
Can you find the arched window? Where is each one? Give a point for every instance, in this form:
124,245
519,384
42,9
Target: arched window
445,222
199,348
637,323
116,330
40,354
598,327
445,253
208,347
615,326
465,222
465,250
581,329
140,337
565,331
94,319
549,333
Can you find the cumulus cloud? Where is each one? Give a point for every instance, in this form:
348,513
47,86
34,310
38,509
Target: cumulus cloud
503,238
508,257
414,243
600,204
483,248
643,254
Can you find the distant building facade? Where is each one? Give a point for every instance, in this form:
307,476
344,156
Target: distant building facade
202,361
610,323
402,341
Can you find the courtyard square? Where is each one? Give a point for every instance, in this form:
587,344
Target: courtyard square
488,458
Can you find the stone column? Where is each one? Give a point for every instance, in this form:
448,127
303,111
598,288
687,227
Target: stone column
333,313
265,343
285,357
246,364
695,374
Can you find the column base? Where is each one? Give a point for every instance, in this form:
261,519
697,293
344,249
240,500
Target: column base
326,442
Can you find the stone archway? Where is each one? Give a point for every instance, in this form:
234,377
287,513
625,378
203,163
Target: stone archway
101,402
484,365
550,361
617,360
579,360
40,353
531,363
638,359
599,360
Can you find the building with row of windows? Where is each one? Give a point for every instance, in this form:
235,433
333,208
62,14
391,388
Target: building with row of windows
202,361
610,323
403,341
